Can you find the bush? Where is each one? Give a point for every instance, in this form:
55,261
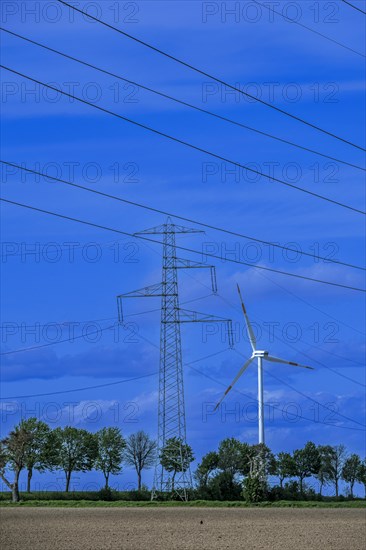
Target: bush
223,487
107,494
254,489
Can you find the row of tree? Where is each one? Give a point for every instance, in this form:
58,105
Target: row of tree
33,445
235,470
235,464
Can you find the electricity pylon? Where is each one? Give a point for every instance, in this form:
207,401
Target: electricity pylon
171,408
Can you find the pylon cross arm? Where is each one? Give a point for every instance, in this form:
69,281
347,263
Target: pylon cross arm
150,291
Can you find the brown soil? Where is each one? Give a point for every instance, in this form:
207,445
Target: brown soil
182,529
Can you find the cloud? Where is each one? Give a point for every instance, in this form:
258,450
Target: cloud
98,362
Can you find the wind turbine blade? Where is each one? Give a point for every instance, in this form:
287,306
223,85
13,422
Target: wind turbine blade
251,335
244,367
278,360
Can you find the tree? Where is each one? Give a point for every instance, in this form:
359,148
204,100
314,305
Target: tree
222,486
361,474
206,467
110,445
233,456
76,449
40,451
176,457
325,452
260,458
261,464
12,453
285,467
307,462
140,452
350,470
334,464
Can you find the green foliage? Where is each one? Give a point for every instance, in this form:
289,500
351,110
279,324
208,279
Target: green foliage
254,489
235,471
76,450
13,450
333,465
350,470
222,487
176,457
107,494
361,474
284,467
231,456
40,452
307,462
207,466
110,447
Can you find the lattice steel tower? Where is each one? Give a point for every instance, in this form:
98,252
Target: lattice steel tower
171,408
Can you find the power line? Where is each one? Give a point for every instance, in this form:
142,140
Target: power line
155,373
183,218
12,352
273,405
293,347
21,350
307,396
80,389
282,340
83,388
185,64
208,254
190,145
270,8
353,6
296,415
181,102
314,400
312,305
316,360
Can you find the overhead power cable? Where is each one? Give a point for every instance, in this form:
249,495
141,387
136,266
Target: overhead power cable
185,143
208,75
353,6
270,8
288,344
185,103
48,344
183,218
83,388
80,389
207,254
273,404
307,396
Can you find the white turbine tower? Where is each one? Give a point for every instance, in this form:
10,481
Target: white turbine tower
260,355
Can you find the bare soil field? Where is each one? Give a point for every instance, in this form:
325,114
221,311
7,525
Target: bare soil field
182,529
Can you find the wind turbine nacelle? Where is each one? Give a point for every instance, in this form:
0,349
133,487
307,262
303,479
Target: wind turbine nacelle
259,353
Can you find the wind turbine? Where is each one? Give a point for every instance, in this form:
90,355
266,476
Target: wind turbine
259,355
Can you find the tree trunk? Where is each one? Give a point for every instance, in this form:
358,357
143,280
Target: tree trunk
30,473
139,480
351,488
15,488
281,482
106,477
336,487
301,485
173,479
320,489
68,477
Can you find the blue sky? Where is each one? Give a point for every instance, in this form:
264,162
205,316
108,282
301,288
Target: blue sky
284,64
